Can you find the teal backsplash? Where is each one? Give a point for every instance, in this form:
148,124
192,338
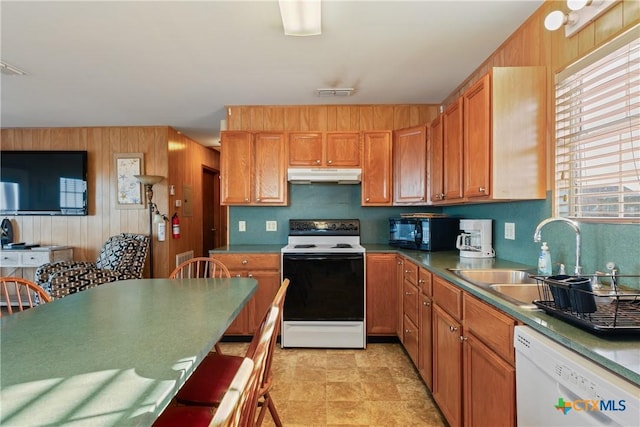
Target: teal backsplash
600,242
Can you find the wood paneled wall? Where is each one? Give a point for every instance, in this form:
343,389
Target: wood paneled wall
328,117
86,234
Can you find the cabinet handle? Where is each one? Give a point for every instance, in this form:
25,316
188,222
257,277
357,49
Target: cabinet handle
246,199
408,331
238,275
330,161
245,262
250,276
482,189
442,196
408,293
420,281
366,200
317,162
453,328
399,262
462,338
258,199
426,303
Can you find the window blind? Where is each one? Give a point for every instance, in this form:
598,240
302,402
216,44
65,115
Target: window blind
598,134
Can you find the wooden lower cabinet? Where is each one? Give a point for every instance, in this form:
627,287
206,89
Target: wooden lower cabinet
265,268
381,294
489,386
425,352
447,365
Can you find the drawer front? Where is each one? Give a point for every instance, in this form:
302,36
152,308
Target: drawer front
425,282
250,261
491,326
35,259
410,301
410,272
9,259
448,297
410,335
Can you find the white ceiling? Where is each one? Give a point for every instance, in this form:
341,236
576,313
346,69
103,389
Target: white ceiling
178,63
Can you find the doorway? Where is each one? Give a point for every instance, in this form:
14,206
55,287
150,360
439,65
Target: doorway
213,217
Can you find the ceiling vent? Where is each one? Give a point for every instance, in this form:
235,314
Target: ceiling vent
10,70
342,91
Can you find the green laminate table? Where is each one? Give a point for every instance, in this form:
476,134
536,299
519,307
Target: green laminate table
112,355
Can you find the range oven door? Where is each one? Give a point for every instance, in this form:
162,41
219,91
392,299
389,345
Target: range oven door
325,304
324,287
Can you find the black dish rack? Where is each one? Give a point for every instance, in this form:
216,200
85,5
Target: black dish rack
602,311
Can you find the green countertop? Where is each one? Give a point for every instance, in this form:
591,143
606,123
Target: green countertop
112,355
619,354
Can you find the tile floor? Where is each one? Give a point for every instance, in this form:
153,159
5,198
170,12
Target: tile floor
378,386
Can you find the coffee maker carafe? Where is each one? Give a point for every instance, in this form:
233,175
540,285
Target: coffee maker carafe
475,238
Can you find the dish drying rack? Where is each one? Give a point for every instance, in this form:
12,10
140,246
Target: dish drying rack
605,311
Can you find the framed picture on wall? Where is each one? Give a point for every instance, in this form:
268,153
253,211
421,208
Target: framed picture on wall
128,190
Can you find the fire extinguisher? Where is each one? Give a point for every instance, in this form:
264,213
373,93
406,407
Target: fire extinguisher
175,226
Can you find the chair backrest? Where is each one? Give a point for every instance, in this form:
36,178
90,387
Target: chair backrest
200,267
229,412
258,352
124,252
278,301
21,292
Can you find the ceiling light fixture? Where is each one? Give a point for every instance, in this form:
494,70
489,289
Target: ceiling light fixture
582,12
10,70
301,17
335,91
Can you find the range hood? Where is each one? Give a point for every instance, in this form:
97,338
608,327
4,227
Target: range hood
309,175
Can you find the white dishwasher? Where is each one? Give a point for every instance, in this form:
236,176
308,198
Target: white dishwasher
556,386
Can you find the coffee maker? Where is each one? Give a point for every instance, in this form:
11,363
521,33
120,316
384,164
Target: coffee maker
475,238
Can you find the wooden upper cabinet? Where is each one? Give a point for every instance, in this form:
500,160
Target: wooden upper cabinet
306,149
452,134
253,168
324,149
410,166
477,138
236,164
343,149
270,171
436,169
377,168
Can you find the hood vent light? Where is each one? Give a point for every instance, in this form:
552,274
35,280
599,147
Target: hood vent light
310,175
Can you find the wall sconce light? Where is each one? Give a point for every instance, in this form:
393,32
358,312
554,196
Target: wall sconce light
301,17
582,12
149,181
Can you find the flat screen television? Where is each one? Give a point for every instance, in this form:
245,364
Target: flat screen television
43,183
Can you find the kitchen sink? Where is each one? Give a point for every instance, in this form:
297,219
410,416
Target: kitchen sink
495,276
523,293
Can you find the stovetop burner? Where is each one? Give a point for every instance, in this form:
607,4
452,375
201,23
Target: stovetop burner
305,246
342,245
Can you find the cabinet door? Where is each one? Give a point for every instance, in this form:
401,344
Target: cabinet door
425,352
489,387
236,166
452,151
447,365
410,166
377,169
411,334
477,138
268,284
240,325
270,174
306,149
343,149
399,289
436,172
381,294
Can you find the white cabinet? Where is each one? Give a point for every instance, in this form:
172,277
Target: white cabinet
32,258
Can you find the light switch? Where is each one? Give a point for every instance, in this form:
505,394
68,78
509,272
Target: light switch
272,225
510,230
242,226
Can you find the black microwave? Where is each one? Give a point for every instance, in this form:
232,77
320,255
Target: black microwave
427,234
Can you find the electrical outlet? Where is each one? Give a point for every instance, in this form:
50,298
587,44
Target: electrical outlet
272,225
242,226
510,230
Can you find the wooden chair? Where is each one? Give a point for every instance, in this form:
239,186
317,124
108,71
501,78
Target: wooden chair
200,267
25,293
239,398
214,374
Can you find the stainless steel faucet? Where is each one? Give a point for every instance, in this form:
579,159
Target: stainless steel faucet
537,237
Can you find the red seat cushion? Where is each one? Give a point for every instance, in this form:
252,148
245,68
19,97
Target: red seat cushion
210,381
185,416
